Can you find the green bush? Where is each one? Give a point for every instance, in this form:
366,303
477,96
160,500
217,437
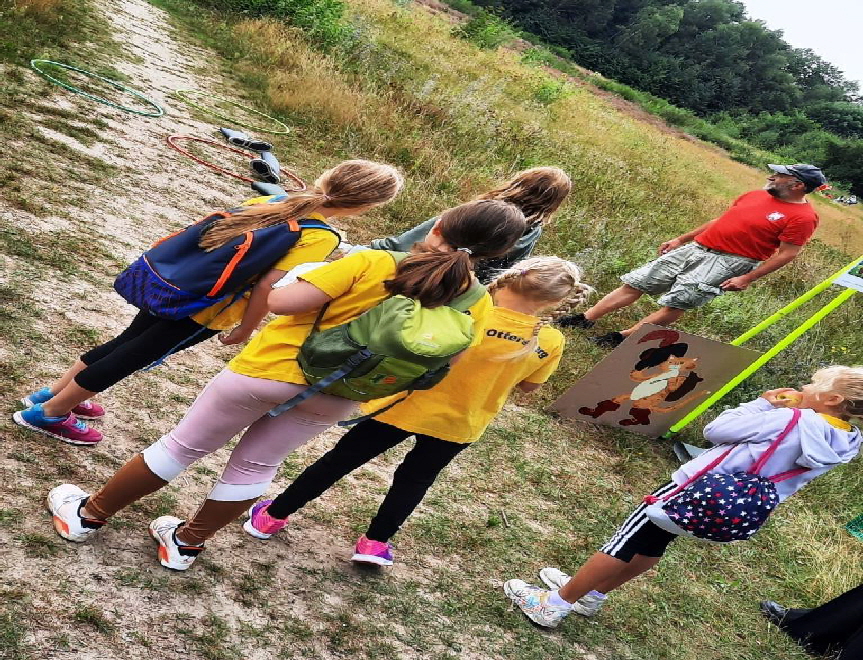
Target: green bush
539,56
464,6
486,30
550,91
323,19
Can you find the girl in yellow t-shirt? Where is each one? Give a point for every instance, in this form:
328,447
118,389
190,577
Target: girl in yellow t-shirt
349,188
266,373
518,350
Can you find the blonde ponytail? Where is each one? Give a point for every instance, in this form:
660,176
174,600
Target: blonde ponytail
352,184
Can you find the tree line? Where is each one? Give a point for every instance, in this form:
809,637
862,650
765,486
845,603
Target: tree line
710,57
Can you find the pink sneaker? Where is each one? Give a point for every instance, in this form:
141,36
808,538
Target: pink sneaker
88,410
373,552
68,428
260,524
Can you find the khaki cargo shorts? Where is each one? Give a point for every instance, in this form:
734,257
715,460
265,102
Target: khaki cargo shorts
688,276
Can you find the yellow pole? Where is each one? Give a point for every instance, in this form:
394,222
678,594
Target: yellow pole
794,304
784,343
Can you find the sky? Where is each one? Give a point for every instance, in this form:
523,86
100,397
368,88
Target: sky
832,28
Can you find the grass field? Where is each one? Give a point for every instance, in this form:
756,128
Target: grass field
533,492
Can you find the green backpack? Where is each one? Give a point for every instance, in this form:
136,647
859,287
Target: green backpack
396,346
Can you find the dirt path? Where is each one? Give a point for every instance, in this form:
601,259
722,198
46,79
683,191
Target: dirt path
116,576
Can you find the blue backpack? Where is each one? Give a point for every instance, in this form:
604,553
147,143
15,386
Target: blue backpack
176,278
722,508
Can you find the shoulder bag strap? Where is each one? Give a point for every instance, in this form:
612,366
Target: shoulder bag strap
469,298
652,499
758,465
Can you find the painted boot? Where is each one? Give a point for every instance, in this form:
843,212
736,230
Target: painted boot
639,417
601,408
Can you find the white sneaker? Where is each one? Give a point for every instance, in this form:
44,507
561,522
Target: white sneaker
64,502
587,605
172,554
533,602
554,578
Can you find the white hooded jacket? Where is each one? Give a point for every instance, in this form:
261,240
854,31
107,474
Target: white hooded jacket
814,443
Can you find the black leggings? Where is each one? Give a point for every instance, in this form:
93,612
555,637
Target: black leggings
147,339
836,625
417,472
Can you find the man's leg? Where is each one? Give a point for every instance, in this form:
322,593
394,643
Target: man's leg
663,316
622,296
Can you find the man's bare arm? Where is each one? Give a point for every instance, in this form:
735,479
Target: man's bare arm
786,253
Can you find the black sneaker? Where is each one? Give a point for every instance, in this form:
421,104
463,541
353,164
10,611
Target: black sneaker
608,340
773,611
575,321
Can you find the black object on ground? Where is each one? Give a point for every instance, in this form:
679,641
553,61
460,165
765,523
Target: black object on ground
685,452
266,167
240,139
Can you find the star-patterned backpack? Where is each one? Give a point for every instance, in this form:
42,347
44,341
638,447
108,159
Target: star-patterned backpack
722,508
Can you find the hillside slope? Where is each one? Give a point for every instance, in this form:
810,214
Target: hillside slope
88,187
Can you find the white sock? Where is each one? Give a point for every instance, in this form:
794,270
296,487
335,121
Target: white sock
555,599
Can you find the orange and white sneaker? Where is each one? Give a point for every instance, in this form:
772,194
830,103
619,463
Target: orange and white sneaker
172,553
65,502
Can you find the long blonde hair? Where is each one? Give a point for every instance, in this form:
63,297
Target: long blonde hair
543,279
538,192
353,184
847,381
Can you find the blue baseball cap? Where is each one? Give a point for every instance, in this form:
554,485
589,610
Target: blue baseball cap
810,175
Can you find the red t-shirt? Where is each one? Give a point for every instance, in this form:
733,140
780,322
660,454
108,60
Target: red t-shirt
757,222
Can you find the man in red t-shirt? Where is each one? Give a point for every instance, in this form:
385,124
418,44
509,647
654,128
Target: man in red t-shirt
762,231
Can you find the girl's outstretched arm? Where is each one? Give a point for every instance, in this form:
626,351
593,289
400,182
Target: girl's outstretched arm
405,241
297,298
256,310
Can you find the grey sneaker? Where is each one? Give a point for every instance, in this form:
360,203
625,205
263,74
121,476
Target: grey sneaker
587,605
533,602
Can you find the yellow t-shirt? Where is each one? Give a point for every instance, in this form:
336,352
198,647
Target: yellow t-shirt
355,283
313,245
461,406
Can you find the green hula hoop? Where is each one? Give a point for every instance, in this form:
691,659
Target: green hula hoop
181,94
159,110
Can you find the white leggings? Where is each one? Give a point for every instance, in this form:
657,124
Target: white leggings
228,404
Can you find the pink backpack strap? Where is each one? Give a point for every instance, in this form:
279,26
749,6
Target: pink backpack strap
758,465
788,474
652,499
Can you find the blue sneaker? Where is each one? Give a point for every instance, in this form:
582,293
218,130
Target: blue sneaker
84,410
68,428
39,396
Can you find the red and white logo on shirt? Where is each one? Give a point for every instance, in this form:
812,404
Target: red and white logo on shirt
775,216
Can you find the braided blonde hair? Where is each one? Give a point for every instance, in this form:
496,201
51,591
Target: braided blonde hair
847,381
543,279
352,184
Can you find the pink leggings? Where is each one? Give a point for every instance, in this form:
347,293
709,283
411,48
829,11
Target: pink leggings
228,404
